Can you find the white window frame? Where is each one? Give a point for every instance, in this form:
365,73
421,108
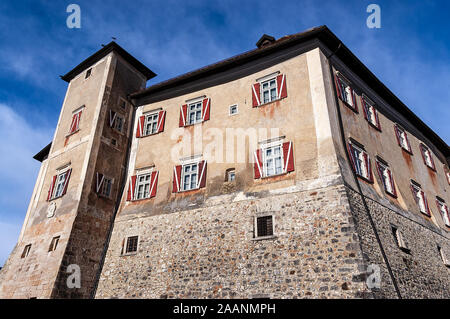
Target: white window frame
418,194
403,138
400,240
198,107
59,182
346,90
190,173
443,209
144,183
255,225
264,149
106,181
121,119
231,173
125,246
428,156
371,111
270,88
237,109
364,170
26,251
387,186
154,123
444,258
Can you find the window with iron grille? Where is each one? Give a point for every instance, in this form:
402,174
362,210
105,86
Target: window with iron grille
264,226
54,243
132,243
26,251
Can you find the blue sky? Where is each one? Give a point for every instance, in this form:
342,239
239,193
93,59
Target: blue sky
410,53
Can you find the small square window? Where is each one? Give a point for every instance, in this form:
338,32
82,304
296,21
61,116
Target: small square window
233,109
131,244
88,73
230,175
26,251
264,226
54,243
399,239
345,92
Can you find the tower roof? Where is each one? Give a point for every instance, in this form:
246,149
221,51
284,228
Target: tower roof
112,46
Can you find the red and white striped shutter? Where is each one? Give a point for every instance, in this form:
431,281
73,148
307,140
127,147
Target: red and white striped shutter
52,186
140,126
112,118
176,178
337,81
99,182
206,105
391,178
161,121
73,124
154,183
131,186
66,181
351,154
281,85
256,94
183,115
288,155
258,165
201,182
78,120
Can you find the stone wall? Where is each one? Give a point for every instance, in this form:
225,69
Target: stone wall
209,252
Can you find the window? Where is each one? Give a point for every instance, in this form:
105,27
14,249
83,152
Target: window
54,243
189,176
269,90
88,73
233,109
264,226
194,113
448,176
360,161
420,198
370,112
345,92
231,175
427,157
106,187
151,124
58,185
75,124
385,174
272,160
113,142
444,258
143,186
122,104
399,239
443,209
402,138
118,123
131,244
26,251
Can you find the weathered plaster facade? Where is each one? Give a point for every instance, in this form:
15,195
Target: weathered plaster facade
329,225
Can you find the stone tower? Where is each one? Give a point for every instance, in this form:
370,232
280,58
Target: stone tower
74,199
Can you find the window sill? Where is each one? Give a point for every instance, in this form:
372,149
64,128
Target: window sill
264,238
364,178
354,109
425,213
430,167
276,175
391,194
374,126
70,134
150,134
189,190
54,198
141,199
271,102
187,125
129,254
406,150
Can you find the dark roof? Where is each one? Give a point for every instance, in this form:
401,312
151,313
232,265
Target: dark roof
112,46
329,39
265,39
42,155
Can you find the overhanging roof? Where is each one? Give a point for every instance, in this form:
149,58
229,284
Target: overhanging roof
329,39
42,155
112,46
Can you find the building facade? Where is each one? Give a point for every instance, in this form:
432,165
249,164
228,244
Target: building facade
289,171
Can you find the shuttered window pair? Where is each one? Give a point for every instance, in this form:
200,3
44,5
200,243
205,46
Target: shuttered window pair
370,112
386,178
420,198
274,160
269,90
195,112
152,123
443,209
360,161
116,121
189,176
75,124
59,184
402,138
345,92
142,186
427,157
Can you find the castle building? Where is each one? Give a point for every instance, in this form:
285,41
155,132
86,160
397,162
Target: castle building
288,171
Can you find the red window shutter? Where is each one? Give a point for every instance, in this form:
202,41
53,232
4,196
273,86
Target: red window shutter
351,154
183,115
397,135
161,121
99,182
202,174
140,126
73,125
407,141
391,178
52,186
281,85
206,105
413,191
427,208
154,183
337,81
258,165
66,181
288,154
353,95
256,94
380,173
131,186
364,107
368,167
112,118
422,151
176,179
377,119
